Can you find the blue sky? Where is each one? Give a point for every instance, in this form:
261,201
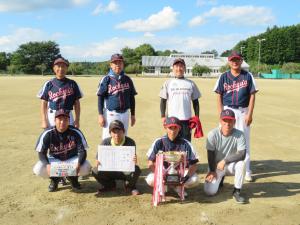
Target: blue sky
92,30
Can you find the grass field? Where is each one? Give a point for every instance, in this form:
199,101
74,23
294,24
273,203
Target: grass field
274,197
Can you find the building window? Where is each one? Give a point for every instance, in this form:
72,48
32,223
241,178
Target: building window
149,69
165,69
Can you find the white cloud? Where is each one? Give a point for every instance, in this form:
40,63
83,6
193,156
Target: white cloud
33,5
165,19
112,6
200,3
197,21
238,15
11,42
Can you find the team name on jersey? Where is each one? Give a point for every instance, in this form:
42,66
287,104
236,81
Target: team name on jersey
114,89
61,93
62,148
236,86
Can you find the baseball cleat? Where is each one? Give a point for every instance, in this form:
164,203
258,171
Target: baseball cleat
238,198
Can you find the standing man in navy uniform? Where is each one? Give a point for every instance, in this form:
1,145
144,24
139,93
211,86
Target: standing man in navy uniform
60,93
116,96
236,90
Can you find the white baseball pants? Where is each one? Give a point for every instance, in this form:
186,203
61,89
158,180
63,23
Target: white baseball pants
240,124
236,168
40,168
110,116
191,182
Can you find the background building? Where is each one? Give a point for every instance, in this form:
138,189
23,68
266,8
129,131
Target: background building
162,65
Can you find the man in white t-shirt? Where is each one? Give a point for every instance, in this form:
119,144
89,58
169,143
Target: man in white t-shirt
176,96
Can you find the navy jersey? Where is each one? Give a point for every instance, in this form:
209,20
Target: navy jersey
179,144
117,91
236,91
60,94
62,146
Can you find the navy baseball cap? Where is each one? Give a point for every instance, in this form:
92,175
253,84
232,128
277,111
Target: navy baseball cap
172,122
116,124
61,60
62,112
227,114
179,60
116,57
234,55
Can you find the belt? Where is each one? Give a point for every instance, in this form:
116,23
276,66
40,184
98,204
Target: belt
54,110
236,106
121,110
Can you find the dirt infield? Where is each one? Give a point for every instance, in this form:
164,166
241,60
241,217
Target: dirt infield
273,199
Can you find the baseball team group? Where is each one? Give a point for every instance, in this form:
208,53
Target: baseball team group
228,145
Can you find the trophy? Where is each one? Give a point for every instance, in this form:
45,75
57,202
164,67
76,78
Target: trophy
168,176
172,173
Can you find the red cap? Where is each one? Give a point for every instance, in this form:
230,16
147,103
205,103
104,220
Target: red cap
227,114
234,55
179,60
172,122
116,57
61,60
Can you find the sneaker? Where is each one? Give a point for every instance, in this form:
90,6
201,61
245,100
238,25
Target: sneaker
238,198
53,186
75,185
249,178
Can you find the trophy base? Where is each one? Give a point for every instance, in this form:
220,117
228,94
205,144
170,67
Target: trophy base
172,179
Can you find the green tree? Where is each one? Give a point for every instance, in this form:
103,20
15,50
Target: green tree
200,70
41,68
103,68
4,61
76,68
12,69
226,53
134,68
29,55
224,68
144,49
290,68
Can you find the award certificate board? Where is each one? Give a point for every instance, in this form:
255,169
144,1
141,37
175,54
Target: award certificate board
116,158
63,169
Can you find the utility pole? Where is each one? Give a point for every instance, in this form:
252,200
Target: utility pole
259,46
242,47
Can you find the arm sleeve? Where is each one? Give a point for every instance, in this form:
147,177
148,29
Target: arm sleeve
240,155
196,107
211,160
132,105
81,150
100,104
163,106
43,157
81,157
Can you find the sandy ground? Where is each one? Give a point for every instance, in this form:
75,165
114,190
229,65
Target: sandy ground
273,199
